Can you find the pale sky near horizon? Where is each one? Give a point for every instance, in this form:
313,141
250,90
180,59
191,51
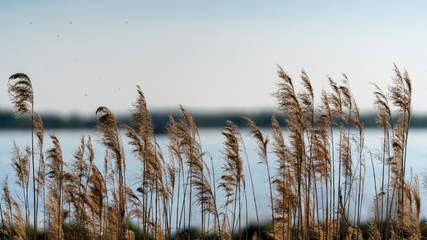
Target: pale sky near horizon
206,55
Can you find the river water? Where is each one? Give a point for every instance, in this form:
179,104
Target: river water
212,144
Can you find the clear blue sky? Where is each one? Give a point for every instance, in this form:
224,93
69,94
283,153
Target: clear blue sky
206,55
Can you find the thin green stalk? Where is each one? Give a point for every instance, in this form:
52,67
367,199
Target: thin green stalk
339,181
191,190
1,214
252,184
333,181
184,183
234,211
327,208
271,196
203,203
246,214
240,218
60,200
156,201
177,203
216,221
34,178
376,192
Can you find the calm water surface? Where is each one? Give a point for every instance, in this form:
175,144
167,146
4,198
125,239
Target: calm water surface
212,143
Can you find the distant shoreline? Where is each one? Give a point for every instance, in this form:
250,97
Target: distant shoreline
161,119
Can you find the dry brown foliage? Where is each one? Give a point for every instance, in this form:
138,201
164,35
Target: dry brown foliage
316,182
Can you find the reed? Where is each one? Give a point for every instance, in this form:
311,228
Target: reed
41,172
263,152
55,212
21,165
316,183
284,183
111,139
21,94
142,136
232,178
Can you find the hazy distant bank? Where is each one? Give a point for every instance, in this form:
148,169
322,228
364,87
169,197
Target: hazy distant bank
160,120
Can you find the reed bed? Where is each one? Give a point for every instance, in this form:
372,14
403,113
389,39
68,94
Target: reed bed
315,171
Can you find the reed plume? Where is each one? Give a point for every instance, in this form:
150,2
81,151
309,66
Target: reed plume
285,198
338,104
385,122
204,193
110,138
322,173
41,172
353,120
144,147
21,165
76,181
7,213
14,225
175,150
233,177
96,201
316,185
192,152
19,224
306,100
401,95
55,212
262,152
76,185
289,104
21,94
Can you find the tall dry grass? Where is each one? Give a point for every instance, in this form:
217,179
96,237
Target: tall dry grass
315,173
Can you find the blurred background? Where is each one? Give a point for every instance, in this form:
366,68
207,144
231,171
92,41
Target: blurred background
205,55
217,58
